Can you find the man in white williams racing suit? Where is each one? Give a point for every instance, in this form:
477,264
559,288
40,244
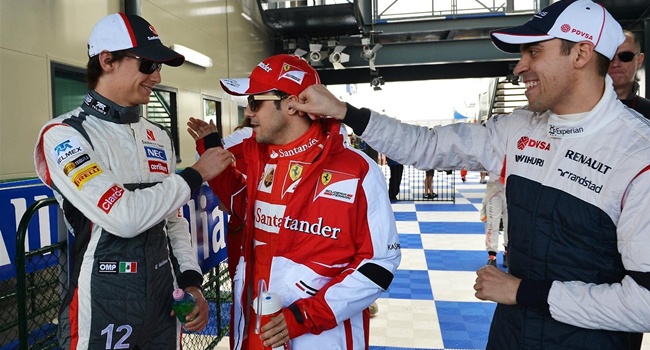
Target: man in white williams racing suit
576,164
113,174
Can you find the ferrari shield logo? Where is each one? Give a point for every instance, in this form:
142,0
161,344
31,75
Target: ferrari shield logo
295,172
326,177
268,179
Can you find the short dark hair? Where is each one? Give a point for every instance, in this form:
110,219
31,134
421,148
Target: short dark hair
282,95
602,62
94,68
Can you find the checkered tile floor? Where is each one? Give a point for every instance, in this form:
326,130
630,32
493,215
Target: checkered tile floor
430,304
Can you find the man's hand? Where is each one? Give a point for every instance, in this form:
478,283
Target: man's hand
199,129
319,102
495,285
213,162
275,332
198,318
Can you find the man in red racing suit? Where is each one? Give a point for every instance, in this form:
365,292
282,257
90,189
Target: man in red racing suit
319,228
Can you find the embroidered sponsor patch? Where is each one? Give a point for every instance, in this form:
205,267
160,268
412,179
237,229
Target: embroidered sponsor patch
70,166
295,171
150,135
266,182
85,174
337,185
128,267
268,217
66,149
156,166
110,197
117,267
155,153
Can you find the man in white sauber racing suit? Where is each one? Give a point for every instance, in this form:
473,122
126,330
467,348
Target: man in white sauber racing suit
121,199
578,218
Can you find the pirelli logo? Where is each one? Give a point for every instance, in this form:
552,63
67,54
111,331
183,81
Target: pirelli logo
85,174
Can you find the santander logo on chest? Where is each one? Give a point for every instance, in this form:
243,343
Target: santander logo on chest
271,218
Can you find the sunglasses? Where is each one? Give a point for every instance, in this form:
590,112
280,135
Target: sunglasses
254,105
626,56
146,66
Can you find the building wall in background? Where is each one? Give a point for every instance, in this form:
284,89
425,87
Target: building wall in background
35,33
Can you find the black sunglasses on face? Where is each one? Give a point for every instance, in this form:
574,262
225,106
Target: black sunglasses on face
626,56
146,66
254,105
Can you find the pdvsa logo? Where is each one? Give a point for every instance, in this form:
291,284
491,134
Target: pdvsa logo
525,141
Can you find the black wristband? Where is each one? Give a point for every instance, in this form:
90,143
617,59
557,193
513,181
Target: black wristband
357,119
295,310
190,278
212,140
533,293
192,177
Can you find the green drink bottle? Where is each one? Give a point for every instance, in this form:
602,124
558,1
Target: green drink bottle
182,304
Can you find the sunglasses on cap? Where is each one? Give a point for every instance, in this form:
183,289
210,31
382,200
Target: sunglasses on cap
626,56
253,99
146,66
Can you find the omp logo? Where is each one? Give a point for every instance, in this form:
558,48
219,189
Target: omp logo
158,167
525,141
107,267
85,174
109,198
75,163
588,161
155,153
584,181
66,149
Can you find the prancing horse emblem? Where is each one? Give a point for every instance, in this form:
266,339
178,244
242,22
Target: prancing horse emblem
326,177
295,172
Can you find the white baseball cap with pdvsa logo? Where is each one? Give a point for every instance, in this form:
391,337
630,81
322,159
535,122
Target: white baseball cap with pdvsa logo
573,20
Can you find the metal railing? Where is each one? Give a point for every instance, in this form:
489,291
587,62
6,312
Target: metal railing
30,310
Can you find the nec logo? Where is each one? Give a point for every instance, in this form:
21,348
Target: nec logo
525,141
155,153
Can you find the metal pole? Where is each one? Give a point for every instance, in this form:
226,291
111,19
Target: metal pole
133,7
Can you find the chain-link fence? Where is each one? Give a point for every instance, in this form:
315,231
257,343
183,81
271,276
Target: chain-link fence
29,303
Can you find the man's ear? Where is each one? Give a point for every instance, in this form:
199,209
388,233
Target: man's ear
585,50
291,100
106,60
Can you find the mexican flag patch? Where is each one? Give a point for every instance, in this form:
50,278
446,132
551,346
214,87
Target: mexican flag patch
128,267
